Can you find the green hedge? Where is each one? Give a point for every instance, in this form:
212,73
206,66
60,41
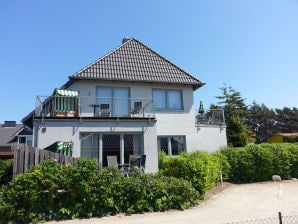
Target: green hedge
53,191
255,163
202,169
6,168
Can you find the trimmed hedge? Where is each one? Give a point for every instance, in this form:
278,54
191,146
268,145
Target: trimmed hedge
53,191
202,169
255,163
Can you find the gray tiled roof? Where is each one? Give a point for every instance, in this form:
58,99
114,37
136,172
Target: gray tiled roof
133,61
8,133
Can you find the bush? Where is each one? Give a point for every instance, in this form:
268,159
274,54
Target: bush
259,162
53,191
6,169
200,168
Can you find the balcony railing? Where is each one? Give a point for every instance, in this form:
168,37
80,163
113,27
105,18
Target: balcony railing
211,117
71,106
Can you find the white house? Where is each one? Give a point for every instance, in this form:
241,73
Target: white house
130,101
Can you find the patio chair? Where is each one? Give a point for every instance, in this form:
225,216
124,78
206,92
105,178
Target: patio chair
137,107
105,110
112,161
135,162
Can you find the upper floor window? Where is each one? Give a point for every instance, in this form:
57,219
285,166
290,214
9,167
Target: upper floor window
167,99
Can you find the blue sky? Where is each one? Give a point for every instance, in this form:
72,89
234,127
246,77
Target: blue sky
250,45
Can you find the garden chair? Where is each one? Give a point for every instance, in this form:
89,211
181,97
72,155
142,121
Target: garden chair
135,162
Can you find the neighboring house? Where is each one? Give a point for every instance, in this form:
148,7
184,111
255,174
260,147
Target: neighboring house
130,101
283,137
11,132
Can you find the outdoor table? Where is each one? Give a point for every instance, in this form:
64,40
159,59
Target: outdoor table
94,105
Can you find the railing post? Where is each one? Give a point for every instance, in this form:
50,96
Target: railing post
280,217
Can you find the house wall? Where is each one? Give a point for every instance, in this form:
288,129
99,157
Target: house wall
49,132
170,122
208,138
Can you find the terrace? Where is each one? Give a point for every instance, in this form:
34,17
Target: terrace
96,107
211,117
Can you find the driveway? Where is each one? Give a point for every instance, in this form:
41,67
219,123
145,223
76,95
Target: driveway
236,203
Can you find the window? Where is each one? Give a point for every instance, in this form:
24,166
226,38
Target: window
101,145
115,97
171,145
167,99
25,139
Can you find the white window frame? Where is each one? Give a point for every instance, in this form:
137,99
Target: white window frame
27,139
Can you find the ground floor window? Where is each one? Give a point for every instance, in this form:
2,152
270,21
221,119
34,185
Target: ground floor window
171,145
101,145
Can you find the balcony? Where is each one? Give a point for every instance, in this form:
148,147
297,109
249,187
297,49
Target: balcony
211,117
99,107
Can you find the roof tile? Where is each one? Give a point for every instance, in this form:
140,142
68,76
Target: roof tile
133,61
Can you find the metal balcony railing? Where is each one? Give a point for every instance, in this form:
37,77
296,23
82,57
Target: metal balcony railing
211,117
71,106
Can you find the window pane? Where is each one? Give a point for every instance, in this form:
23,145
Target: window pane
163,144
89,145
104,96
132,146
177,144
120,104
22,140
174,99
29,140
159,97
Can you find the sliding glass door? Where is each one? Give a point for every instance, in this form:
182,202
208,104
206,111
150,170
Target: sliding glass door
101,145
115,99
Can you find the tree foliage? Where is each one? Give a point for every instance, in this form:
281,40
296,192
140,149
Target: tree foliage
262,121
267,122
236,115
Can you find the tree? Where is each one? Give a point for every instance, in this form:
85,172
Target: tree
236,115
287,120
263,121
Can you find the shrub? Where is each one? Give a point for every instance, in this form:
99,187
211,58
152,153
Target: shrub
259,162
6,169
53,191
200,168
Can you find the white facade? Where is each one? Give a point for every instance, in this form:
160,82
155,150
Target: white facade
166,125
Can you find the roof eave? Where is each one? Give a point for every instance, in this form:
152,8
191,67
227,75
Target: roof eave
195,85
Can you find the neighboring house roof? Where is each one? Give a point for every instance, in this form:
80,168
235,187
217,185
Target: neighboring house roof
134,61
7,134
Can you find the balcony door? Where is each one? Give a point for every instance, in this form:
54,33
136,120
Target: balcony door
116,98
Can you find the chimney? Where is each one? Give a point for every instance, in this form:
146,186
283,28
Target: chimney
125,39
9,124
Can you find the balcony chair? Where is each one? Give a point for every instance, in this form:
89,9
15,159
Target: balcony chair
137,108
105,110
